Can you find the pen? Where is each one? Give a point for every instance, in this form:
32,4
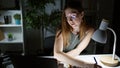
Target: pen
95,60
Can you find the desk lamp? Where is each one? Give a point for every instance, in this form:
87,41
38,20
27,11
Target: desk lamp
100,35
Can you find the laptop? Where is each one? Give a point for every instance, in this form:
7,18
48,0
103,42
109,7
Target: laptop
33,62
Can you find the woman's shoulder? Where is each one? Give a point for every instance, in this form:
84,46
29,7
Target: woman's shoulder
58,33
90,30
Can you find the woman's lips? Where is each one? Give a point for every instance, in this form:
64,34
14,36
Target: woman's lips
73,25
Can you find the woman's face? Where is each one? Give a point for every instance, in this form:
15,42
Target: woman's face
73,17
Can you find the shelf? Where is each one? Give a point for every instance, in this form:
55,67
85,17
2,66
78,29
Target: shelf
17,38
10,25
13,41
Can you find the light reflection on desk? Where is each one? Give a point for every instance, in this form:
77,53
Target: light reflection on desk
90,59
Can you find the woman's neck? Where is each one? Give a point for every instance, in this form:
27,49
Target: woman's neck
76,30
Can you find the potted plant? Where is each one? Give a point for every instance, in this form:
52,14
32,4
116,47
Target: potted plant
10,36
37,20
17,18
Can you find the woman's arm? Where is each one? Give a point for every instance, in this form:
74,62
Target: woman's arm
83,44
64,57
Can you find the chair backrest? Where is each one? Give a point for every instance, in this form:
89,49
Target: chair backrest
49,45
33,62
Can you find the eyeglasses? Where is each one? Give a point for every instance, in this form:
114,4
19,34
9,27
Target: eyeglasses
71,16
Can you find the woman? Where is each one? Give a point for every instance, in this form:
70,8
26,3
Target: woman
74,35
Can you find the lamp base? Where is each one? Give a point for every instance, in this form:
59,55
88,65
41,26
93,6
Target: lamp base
107,60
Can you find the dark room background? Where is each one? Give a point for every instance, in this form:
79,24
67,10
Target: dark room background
46,16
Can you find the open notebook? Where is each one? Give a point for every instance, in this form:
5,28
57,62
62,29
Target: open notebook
33,62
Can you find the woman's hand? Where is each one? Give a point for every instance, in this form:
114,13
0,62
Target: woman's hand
97,66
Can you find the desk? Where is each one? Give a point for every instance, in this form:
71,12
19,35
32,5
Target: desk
90,58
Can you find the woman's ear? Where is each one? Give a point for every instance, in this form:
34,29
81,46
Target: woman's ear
82,13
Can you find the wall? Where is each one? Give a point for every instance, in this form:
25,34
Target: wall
98,10
116,25
95,11
106,11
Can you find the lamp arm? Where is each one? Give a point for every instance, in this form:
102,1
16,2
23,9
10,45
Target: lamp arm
114,47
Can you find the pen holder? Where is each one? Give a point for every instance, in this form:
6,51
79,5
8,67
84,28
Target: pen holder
7,19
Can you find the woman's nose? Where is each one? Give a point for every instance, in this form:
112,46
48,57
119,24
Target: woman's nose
69,19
